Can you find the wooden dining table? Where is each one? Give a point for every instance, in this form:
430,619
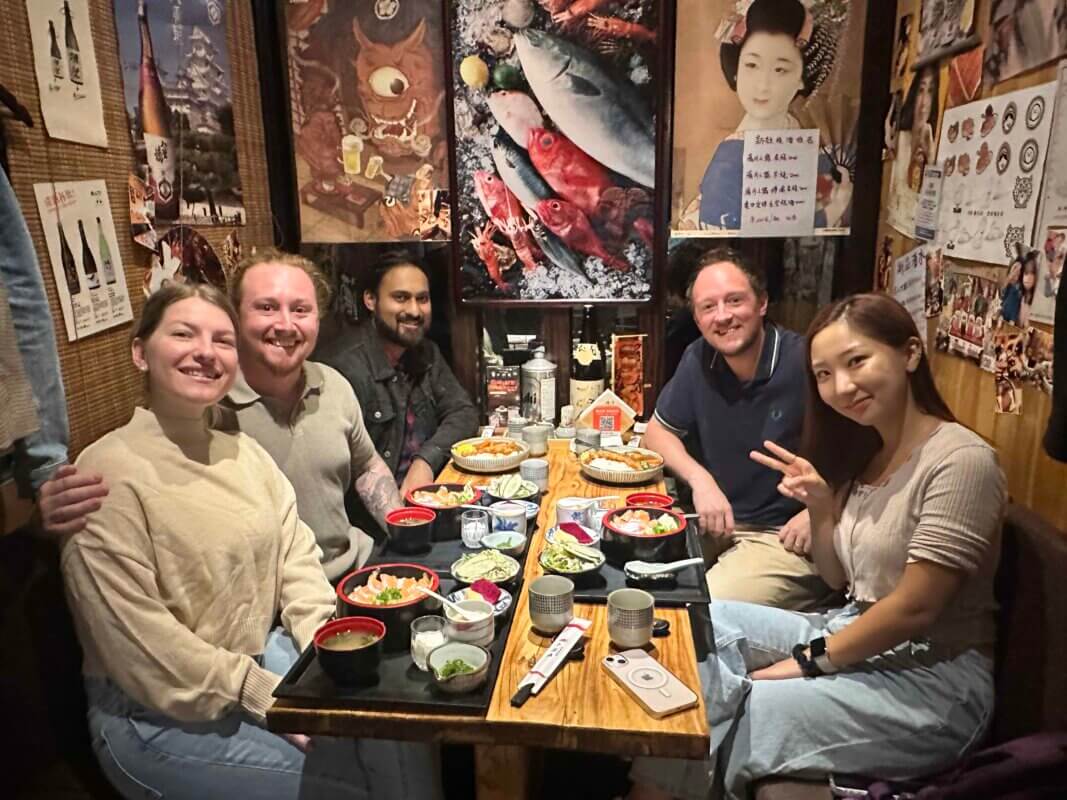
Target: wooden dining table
580,708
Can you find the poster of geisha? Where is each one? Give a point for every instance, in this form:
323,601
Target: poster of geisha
946,27
369,119
1022,35
176,79
555,148
760,65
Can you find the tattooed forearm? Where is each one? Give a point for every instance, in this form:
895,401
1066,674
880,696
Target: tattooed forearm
377,488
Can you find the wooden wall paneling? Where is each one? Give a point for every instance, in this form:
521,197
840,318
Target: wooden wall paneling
102,385
1034,479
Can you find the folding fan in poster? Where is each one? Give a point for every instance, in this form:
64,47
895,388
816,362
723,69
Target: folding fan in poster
176,77
736,73
1023,34
65,62
83,249
555,148
993,155
369,119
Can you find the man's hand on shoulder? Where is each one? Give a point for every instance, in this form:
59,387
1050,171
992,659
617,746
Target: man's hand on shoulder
419,474
795,535
716,513
67,498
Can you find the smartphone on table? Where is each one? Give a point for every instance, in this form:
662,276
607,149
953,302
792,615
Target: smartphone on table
651,684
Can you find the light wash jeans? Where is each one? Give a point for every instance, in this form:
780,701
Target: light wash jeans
905,713
39,454
147,756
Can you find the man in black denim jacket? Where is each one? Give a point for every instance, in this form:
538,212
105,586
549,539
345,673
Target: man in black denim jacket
413,406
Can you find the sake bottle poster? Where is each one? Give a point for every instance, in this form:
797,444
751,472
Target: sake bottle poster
65,64
555,144
369,119
86,263
749,65
178,91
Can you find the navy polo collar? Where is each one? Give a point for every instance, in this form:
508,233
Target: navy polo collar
768,358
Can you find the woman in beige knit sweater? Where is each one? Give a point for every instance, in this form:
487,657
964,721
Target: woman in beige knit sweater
176,581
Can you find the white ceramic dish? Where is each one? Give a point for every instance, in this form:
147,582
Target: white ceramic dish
489,464
501,605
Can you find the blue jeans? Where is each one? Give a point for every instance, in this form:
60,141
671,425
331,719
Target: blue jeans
148,756
905,713
39,454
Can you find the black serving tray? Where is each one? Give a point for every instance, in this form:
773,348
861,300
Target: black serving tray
401,685
689,586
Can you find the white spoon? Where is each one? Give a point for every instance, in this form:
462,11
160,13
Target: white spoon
463,613
645,569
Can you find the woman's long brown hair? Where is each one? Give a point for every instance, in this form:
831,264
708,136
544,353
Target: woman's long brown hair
838,447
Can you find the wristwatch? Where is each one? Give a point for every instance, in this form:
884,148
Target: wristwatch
813,659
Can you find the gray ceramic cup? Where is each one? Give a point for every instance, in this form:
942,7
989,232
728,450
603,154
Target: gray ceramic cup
535,470
551,603
536,436
630,617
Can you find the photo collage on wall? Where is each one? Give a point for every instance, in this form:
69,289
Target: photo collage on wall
179,101
735,79
555,138
369,120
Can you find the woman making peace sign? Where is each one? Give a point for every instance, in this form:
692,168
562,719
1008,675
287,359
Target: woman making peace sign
906,509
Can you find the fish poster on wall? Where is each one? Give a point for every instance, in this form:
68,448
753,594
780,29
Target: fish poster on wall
736,72
84,251
555,148
970,306
176,79
993,156
369,120
1022,35
65,63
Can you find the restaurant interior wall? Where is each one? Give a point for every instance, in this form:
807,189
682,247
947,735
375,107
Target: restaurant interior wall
1034,479
101,383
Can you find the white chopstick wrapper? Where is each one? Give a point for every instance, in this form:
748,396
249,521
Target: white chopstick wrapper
547,664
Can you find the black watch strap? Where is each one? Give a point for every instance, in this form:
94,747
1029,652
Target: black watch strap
808,668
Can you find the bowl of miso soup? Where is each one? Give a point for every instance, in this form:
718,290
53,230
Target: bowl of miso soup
350,649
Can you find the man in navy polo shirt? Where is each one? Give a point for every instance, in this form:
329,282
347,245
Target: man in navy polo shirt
739,385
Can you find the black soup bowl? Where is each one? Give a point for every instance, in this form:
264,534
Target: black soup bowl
397,616
620,545
410,529
446,526
348,665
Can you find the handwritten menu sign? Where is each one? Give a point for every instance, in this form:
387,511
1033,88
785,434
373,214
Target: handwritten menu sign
909,286
778,183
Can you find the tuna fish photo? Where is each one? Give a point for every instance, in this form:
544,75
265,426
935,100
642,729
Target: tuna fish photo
555,131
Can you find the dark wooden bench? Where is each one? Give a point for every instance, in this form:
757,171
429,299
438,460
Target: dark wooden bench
1031,657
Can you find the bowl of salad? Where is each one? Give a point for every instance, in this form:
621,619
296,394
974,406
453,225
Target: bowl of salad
389,593
566,556
643,533
513,487
447,501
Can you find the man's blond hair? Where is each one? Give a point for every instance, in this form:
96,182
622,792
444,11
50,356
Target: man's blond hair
272,255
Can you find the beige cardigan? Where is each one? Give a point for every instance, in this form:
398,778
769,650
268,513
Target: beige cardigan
176,581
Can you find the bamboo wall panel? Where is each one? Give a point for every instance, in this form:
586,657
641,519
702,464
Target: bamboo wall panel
102,385
1034,479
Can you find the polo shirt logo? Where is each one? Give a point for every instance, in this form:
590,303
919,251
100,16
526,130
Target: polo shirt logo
777,414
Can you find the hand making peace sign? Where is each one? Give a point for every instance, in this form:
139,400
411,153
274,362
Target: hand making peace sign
801,480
